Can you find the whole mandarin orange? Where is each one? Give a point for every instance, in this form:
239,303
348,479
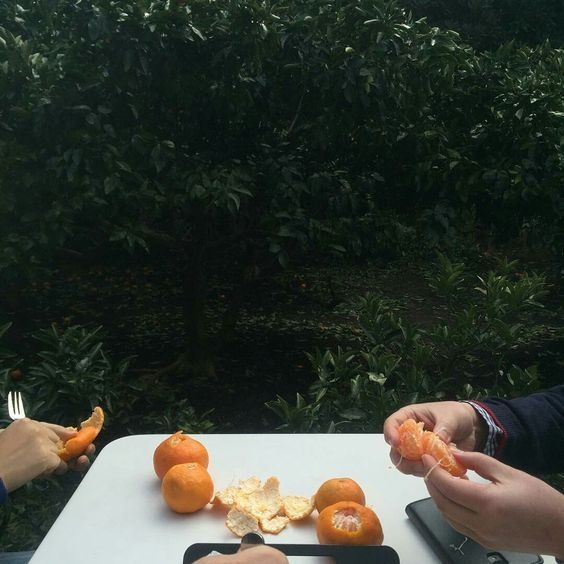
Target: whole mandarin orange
347,522
187,488
178,449
338,489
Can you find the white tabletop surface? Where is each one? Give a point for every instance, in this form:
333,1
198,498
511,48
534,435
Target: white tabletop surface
117,514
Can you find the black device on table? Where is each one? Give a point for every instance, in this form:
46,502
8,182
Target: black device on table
339,554
453,547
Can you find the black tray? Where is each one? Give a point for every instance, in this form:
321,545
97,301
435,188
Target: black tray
341,554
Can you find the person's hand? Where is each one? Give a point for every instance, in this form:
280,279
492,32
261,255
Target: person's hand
258,554
29,449
454,422
513,511
79,464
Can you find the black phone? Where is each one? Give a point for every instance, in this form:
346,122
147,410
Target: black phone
453,547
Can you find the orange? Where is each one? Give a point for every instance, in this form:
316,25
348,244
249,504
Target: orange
88,431
415,442
439,450
347,522
187,488
177,449
338,489
411,440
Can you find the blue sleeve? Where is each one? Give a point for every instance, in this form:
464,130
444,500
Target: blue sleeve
532,430
3,492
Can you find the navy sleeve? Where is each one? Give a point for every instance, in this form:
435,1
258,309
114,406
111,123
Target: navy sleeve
533,430
3,493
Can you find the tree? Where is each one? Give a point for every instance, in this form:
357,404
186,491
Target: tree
230,134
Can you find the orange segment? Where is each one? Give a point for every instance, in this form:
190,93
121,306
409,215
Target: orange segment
439,450
411,440
89,430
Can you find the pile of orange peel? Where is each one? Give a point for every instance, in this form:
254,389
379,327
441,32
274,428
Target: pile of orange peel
255,507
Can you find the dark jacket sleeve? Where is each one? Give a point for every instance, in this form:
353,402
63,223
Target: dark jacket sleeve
532,430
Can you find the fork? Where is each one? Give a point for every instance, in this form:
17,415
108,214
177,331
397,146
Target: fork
15,406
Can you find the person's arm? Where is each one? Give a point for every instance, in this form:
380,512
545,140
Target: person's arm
531,430
29,449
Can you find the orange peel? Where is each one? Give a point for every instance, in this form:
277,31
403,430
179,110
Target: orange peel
88,431
254,506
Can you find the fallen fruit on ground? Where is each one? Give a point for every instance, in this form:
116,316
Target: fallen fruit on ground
347,522
415,442
87,432
187,488
338,489
178,449
254,506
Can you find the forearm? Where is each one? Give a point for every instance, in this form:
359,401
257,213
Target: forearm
531,430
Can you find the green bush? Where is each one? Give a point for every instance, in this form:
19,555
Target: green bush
230,135
71,372
487,24
466,355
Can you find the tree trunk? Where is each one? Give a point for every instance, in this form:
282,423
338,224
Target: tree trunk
198,358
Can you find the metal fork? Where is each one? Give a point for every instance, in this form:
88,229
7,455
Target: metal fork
15,406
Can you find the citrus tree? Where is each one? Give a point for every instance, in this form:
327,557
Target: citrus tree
226,135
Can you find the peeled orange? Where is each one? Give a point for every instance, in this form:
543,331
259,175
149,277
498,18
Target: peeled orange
415,442
347,522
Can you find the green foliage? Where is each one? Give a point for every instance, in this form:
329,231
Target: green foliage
32,509
175,416
251,129
467,354
488,23
72,372
73,375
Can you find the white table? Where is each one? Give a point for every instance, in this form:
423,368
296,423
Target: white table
117,514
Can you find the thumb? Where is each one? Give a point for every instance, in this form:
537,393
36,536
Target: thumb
444,427
484,465
64,433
